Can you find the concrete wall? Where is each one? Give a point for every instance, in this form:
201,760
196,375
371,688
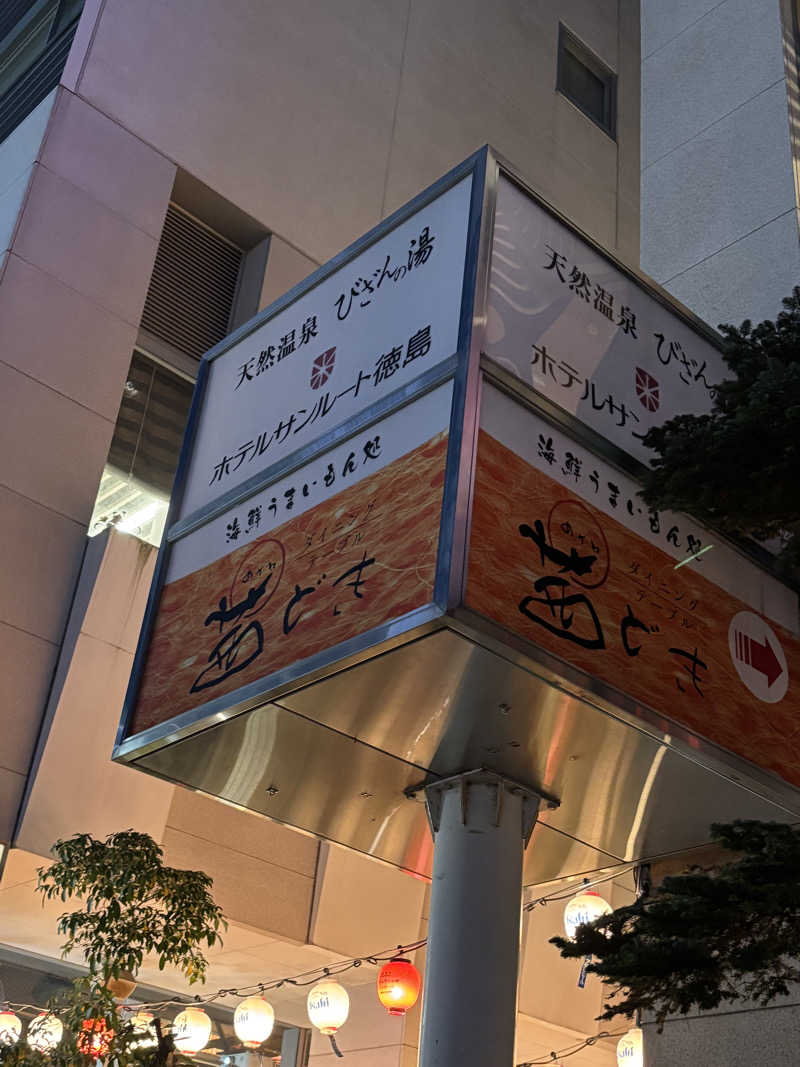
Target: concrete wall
72,287
736,1038
319,119
719,209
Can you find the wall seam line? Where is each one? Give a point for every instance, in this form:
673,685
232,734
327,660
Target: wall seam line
730,244
721,118
396,110
685,28
52,389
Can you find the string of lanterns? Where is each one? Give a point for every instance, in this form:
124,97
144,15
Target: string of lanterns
328,1006
328,1003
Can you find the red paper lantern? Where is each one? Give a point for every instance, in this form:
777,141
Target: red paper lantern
95,1038
398,986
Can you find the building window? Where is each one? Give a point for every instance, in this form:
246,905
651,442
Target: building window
586,81
35,39
138,475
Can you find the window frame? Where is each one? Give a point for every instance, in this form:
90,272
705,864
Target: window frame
568,42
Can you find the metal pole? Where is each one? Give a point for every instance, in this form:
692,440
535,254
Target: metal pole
481,823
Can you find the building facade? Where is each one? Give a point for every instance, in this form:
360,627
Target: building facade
165,172
720,232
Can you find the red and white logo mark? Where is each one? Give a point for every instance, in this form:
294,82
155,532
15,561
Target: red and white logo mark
322,368
648,390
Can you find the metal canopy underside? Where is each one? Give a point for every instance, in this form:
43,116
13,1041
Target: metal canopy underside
337,757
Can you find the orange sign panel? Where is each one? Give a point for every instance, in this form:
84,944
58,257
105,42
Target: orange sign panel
358,559
561,573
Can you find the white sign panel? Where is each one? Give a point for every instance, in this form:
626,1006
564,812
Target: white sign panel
349,463
380,321
614,493
566,321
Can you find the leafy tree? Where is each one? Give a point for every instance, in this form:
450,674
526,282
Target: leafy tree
705,937
738,467
133,905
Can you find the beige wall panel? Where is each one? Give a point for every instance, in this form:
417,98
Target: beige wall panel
362,904
285,268
116,609
21,867
11,200
20,149
52,333
11,787
66,232
447,110
81,42
252,891
77,788
28,922
284,108
509,45
53,448
26,667
222,824
114,167
41,555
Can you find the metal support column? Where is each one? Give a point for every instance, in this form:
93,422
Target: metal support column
481,823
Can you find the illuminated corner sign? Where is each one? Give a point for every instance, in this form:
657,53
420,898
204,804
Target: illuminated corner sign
378,459
568,322
565,554
373,326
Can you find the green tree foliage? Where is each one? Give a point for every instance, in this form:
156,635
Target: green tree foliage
705,937
132,906
738,468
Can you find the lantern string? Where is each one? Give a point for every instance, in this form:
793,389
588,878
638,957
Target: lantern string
572,1050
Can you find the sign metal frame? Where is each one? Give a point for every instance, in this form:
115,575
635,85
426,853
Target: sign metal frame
467,368
456,367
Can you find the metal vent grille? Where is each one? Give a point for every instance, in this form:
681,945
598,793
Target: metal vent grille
193,286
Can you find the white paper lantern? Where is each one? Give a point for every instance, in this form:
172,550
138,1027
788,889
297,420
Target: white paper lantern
10,1028
328,1006
45,1032
584,908
191,1030
630,1049
253,1021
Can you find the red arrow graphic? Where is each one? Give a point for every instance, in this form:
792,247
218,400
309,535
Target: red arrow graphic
760,657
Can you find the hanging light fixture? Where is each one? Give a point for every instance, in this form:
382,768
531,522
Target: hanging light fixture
191,1030
253,1021
328,1006
584,908
94,1038
45,1032
630,1048
398,985
10,1028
